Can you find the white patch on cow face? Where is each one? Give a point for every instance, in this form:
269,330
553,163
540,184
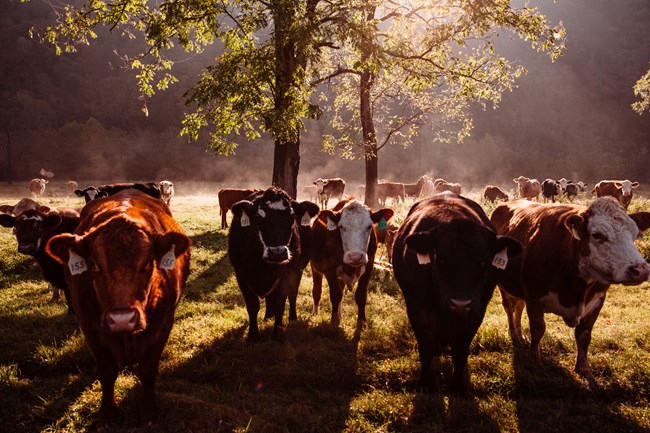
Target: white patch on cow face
92,194
613,256
166,186
355,225
245,221
320,183
573,314
626,186
261,212
30,217
277,205
563,183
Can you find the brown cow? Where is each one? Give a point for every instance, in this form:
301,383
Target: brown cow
343,250
230,196
392,190
23,204
528,188
621,190
493,193
37,186
328,188
571,255
415,189
126,267
427,188
441,185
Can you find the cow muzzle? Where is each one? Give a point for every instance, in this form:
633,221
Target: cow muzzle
355,258
123,320
637,273
277,254
460,306
26,249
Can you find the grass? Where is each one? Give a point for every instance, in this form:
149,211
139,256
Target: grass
321,379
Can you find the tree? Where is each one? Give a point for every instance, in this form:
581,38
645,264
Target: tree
420,62
642,91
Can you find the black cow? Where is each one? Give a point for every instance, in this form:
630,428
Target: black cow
551,188
92,192
446,260
33,228
266,250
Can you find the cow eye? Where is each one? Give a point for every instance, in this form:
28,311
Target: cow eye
599,237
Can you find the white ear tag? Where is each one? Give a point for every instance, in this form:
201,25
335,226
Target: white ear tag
500,259
244,221
76,263
167,261
423,259
330,225
575,233
305,220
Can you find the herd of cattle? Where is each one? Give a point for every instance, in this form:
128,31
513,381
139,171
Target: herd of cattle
122,262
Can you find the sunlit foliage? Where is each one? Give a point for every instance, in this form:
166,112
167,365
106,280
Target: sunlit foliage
642,91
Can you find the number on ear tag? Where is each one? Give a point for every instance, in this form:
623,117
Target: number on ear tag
500,259
244,221
331,225
382,224
305,220
423,259
76,264
167,261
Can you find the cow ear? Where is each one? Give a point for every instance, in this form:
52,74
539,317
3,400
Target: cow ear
305,211
78,193
59,246
421,242
513,246
576,225
329,219
242,211
7,220
52,220
642,220
163,244
384,213
635,184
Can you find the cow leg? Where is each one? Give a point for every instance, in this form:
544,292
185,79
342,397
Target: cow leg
278,328
294,285
583,338
317,289
224,223
56,294
107,370
514,308
252,307
68,301
459,355
270,301
336,296
537,327
148,373
361,295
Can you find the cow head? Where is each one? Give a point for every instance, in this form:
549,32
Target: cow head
563,183
464,258
166,187
626,186
90,193
320,184
606,236
31,228
354,222
274,216
581,185
120,258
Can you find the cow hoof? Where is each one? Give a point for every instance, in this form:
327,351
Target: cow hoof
279,334
361,325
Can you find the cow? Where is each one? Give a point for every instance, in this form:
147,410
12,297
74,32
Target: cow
311,191
126,266
166,191
392,190
441,185
571,190
72,186
493,193
385,234
528,188
415,189
427,188
230,196
550,189
344,247
329,188
621,190
37,186
33,227
23,204
265,249
563,183
572,253
360,192
447,259
91,193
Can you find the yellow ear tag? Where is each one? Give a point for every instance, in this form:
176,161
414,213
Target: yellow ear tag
244,221
500,259
167,261
76,263
423,259
305,220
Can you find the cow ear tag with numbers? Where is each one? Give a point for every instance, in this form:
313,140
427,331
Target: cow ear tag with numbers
305,220
167,261
244,221
382,224
500,259
76,263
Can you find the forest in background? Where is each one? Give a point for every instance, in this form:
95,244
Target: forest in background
80,115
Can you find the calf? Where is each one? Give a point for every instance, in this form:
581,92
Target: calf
37,186
328,188
447,258
344,247
621,190
551,188
166,191
33,228
571,255
266,249
91,193
392,190
230,196
493,193
441,185
126,267
528,188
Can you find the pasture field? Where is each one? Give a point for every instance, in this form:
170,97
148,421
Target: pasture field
321,379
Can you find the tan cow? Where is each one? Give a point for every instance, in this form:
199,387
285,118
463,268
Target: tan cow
621,190
37,186
528,188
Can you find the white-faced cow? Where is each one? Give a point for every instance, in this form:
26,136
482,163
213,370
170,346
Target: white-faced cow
329,188
166,191
571,255
550,189
265,248
528,188
126,267
344,247
33,228
37,186
447,258
621,190
228,197
493,193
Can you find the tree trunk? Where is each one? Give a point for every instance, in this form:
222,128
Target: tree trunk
368,127
286,163
9,174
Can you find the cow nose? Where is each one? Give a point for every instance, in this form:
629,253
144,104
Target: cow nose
638,272
355,258
26,249
123,320
277,254
460,306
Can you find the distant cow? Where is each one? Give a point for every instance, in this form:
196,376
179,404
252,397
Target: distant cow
166,191
446,259
72,185
571,255
230,196
91,193
571,190
344,247
360,192
427,188
23,204
415,189
528,188
392,190
126,267
37,186
441,185
33,228
329,188
266,250
550,189
493,193
386,233
621,190
311,191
